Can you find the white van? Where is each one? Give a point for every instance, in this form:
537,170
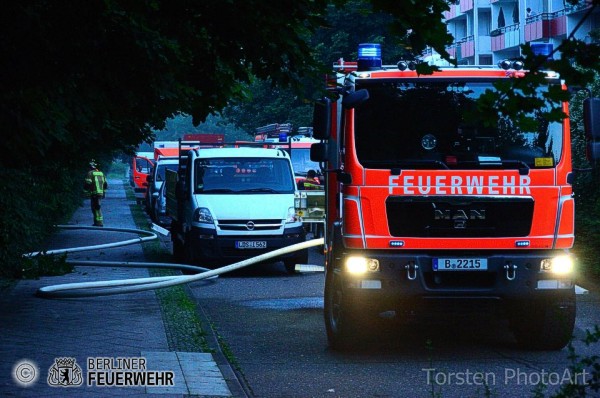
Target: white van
228,204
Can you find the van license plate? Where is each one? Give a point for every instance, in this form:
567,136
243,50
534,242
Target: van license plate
460,264
250,244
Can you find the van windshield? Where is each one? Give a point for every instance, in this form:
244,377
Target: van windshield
243,176
421,124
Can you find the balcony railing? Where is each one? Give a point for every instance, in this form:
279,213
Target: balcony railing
508,28
505,37
546,25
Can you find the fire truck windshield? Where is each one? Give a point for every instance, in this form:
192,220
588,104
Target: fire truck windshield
425,124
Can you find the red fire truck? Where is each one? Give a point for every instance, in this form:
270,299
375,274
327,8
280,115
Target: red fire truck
431,212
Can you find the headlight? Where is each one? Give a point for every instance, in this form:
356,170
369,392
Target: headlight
560,265
292,216
361,265
202,214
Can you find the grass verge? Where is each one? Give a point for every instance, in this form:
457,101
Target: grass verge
182,323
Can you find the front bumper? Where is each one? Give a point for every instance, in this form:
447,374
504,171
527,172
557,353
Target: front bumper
410,277
206,244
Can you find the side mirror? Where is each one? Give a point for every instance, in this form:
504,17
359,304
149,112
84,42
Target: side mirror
591,123
355,98
318,152
149,178
322,119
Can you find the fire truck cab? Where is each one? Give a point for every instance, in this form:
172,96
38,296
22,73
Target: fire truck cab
430,212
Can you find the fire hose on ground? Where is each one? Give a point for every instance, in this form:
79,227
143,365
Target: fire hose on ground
112,287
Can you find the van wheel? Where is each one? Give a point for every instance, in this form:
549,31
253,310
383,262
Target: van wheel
545,325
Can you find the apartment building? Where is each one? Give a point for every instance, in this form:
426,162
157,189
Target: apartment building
488,31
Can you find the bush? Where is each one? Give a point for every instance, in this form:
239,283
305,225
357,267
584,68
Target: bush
32,202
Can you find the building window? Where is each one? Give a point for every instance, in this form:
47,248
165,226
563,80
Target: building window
485,60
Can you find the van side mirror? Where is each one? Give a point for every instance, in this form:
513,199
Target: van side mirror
318,152
591,123
322,119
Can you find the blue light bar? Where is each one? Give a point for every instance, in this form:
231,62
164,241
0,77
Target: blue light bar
369,56
397,243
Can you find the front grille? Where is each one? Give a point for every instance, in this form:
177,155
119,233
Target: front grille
459,216
243,225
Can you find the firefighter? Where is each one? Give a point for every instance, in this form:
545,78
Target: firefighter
95,185
310,182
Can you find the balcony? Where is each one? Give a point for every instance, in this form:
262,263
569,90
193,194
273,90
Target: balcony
506,37
466,5
452,51
467,46
452,13
546,25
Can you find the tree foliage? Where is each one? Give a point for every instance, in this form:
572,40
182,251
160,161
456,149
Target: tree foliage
80,78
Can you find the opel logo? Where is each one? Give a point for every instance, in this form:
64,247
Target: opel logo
250,225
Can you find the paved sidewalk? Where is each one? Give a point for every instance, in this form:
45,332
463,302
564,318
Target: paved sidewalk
36,332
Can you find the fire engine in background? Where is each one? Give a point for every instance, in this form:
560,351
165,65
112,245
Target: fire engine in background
141,165
429,212
310,204
232,203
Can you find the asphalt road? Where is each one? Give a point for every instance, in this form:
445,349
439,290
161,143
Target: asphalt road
273,325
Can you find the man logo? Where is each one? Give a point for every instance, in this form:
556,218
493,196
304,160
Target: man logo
65,373
459,217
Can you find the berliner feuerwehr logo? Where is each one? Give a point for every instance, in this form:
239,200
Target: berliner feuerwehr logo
65,373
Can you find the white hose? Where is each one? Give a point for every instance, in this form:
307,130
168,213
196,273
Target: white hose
105,288
149,236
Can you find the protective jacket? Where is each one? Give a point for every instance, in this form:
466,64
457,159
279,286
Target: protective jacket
95,183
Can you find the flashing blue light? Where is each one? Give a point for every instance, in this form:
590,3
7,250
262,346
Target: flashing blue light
522,243
542,49
283,137
396,243
369,56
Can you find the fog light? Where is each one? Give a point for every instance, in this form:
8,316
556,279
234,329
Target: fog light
560,265
361,265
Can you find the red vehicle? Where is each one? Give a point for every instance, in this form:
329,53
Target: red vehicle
429,212
141,165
